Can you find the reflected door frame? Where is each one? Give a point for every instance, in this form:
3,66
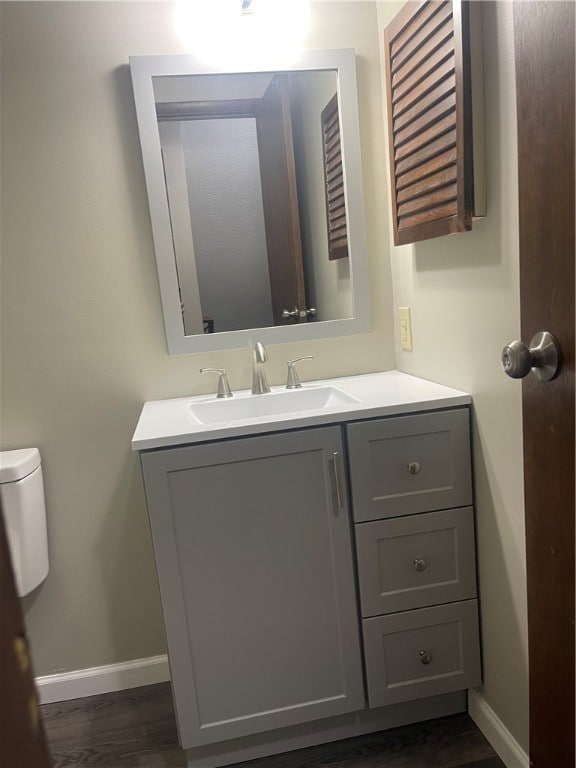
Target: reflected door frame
272,113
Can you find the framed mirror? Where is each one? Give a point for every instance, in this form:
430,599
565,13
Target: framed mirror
255,190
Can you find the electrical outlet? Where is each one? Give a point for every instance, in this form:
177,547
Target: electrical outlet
405,329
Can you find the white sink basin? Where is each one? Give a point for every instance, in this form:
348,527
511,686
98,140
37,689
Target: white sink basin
243,407
185,420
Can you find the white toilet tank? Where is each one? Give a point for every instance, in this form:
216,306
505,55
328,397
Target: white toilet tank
22,497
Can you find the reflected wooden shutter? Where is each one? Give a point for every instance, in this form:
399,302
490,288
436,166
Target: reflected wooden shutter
429,120
334,181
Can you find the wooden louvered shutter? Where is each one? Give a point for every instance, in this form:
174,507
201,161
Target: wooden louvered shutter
334,181
429,120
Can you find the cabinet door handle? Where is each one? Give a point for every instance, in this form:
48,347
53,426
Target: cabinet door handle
337,482
420,564
425,657
414,467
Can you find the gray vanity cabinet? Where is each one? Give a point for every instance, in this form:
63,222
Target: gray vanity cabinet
252,541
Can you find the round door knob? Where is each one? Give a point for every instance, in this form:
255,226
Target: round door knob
541,357
414,467
303,314
420,564
516,360
425,657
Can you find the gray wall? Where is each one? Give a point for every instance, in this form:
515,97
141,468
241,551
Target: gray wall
223,173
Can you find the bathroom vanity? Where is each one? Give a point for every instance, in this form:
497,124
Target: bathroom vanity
316,560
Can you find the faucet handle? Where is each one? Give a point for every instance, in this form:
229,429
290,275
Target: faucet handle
223,385
293,382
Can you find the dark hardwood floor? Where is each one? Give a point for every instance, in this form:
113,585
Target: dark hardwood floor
136,729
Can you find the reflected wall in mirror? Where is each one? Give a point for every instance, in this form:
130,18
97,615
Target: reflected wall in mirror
255,192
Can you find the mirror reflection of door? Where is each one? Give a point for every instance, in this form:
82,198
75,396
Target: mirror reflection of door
280,198
244,178
217,217
238,232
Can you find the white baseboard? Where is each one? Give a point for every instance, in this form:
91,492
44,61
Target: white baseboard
113,677
502,741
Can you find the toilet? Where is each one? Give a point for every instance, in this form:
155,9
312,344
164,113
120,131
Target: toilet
22,498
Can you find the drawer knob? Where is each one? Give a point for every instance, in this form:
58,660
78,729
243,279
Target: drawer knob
425,657
414,467
420,564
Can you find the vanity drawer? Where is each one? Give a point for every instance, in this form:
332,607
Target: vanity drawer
415,561
421,653
410,464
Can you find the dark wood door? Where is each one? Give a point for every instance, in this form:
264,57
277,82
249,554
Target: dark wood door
544,46
22,738
280,199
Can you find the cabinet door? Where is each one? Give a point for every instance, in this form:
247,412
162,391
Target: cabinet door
253,552
409,464
429,96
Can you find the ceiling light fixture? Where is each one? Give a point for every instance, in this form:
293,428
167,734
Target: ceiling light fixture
231,33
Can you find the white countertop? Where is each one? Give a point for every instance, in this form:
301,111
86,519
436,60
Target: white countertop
165,423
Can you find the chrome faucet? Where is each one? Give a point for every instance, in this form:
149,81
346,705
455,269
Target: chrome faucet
223,385
259,382
293,381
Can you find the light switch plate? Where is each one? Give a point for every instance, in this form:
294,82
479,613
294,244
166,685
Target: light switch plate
405,329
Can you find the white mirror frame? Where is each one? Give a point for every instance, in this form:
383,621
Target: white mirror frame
343,61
